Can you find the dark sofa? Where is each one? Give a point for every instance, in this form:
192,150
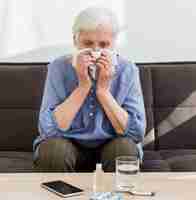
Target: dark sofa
170,100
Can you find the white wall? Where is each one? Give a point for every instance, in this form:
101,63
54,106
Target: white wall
156,30
161,30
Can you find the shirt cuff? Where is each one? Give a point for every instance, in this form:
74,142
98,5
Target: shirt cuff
132,129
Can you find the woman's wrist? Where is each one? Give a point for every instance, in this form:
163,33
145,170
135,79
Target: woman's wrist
102,93
85,88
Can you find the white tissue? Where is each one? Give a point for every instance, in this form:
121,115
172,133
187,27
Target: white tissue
96,53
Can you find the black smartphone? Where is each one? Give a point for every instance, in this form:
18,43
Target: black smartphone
62,188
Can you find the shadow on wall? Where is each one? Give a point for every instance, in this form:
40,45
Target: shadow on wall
42,54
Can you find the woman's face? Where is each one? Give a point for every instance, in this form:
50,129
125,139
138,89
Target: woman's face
102,38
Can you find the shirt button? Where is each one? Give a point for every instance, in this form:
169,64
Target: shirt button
91,114
91,106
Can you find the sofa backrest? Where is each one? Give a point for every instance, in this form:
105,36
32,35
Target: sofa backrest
169,96
174,97
21,87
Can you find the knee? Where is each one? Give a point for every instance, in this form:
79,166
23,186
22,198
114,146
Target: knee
52,148
55,154
125,145
121,146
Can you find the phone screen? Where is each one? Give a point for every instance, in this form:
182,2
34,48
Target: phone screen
62,187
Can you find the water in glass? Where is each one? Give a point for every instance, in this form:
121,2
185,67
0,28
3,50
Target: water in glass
126,168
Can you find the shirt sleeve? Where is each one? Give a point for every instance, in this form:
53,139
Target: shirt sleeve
47,125
134,105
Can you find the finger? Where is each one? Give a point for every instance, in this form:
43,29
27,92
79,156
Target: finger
104,53
86,58
90,57
105,59
101,69
93,59
104,63
104,69
89,63
100,66
86,51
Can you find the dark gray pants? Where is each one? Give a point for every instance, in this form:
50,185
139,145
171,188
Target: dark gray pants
65,155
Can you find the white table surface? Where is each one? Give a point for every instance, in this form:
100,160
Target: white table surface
168,186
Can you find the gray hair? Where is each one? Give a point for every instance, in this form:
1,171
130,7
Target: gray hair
92,17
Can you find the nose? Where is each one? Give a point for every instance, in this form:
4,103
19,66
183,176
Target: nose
96,48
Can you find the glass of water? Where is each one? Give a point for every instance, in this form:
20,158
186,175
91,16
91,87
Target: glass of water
126,168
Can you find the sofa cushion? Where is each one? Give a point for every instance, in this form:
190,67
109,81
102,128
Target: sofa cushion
177,160
180,159
153,162
12,162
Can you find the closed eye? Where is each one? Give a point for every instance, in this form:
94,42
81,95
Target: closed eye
104,44
88,43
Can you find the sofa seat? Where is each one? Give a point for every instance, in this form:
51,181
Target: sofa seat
178,160
154,162
13,162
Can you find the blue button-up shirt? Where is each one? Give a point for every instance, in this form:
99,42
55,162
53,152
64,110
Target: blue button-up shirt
91,127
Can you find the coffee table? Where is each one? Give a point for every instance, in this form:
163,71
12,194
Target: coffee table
168,186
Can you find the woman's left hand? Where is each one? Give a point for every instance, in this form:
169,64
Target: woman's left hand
104,64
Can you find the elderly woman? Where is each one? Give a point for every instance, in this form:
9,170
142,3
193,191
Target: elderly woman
87,119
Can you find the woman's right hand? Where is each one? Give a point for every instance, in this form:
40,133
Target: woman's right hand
83,60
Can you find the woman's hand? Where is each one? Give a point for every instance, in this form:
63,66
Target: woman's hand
105,73
83,60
